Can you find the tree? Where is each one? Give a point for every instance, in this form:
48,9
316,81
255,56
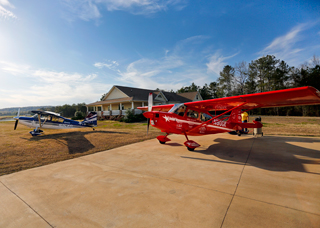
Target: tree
205,92
192,88
226,79
102,97
263,70
241,76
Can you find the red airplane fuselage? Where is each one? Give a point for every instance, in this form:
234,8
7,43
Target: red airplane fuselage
176,124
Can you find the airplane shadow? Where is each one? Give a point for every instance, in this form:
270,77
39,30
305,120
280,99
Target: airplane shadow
268,152
173,144
75,141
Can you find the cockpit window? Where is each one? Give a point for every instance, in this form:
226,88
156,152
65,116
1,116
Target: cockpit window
35,117
205,117
57,119
192,114
178,109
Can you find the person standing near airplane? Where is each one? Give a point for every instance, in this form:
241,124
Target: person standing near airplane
245,119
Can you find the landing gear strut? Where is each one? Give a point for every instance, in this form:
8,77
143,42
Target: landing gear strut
36,132
190,144
163,139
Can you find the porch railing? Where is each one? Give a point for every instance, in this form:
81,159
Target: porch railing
116,112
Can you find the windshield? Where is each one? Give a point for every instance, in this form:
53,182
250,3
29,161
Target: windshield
178,109
35,117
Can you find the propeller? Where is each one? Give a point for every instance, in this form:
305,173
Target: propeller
15,125
17,120
150,104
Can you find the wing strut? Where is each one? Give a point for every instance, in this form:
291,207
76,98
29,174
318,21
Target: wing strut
208,121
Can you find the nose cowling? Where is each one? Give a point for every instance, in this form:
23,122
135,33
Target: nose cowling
148,115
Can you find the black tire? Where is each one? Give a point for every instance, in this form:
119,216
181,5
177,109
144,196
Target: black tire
190,149
161,142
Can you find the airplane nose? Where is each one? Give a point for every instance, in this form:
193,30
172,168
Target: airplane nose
148,115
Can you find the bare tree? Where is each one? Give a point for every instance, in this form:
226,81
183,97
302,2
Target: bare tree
241,75
315,61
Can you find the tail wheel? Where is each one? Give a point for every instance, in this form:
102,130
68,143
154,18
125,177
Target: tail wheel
190,149
161,142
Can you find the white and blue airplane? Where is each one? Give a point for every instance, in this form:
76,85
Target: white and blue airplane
52,120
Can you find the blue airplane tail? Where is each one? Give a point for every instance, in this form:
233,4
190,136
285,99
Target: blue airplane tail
91,119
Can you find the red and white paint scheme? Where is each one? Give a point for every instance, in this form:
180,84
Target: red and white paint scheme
222,114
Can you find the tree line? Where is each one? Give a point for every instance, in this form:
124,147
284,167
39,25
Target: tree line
78,111
261,75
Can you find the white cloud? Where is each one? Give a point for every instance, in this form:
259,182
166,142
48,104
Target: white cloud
112,65
24,86
147,73
13,68
62,77
4,13
284,47
177,68
296,46
84,9
89,9
217,62
6,3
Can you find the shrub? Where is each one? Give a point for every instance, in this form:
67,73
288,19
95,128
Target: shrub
130,117
78,115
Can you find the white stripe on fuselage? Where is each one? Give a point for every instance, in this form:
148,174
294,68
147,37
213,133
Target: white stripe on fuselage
48,125
169,118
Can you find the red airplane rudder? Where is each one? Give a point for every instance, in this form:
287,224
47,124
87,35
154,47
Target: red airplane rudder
235,116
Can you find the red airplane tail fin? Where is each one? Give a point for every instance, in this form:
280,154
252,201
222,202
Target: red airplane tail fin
235,116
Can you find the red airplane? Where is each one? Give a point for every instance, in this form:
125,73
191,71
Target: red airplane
222,114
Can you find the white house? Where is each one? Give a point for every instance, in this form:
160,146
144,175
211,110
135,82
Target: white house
121,98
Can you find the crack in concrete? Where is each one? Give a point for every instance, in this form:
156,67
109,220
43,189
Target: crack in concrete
26,203
235,191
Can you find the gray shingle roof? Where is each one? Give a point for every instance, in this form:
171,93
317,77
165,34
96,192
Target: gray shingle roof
142,94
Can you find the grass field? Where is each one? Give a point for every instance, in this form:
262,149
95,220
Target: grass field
19,150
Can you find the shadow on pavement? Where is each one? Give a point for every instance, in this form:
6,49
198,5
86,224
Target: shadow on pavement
75,141
268,152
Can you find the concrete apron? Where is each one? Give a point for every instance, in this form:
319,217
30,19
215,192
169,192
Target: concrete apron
229,181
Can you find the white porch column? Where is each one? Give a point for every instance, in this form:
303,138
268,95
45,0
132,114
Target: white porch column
110,107
132,105
142,104
120,106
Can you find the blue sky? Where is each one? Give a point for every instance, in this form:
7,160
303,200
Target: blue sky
71,51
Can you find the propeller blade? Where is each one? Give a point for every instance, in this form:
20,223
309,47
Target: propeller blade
15,125
150,102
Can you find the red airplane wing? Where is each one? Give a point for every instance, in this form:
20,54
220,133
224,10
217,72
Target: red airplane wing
288,97
162,108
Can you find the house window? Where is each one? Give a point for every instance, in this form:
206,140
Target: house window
90,108
99,108
121,107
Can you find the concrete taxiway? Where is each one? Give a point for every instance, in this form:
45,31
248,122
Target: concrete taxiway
229,181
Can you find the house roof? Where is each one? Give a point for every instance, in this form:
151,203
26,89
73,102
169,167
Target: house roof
137,94
189,95
142,94
110,101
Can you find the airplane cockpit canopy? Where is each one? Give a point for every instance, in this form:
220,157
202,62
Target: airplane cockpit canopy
178,109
